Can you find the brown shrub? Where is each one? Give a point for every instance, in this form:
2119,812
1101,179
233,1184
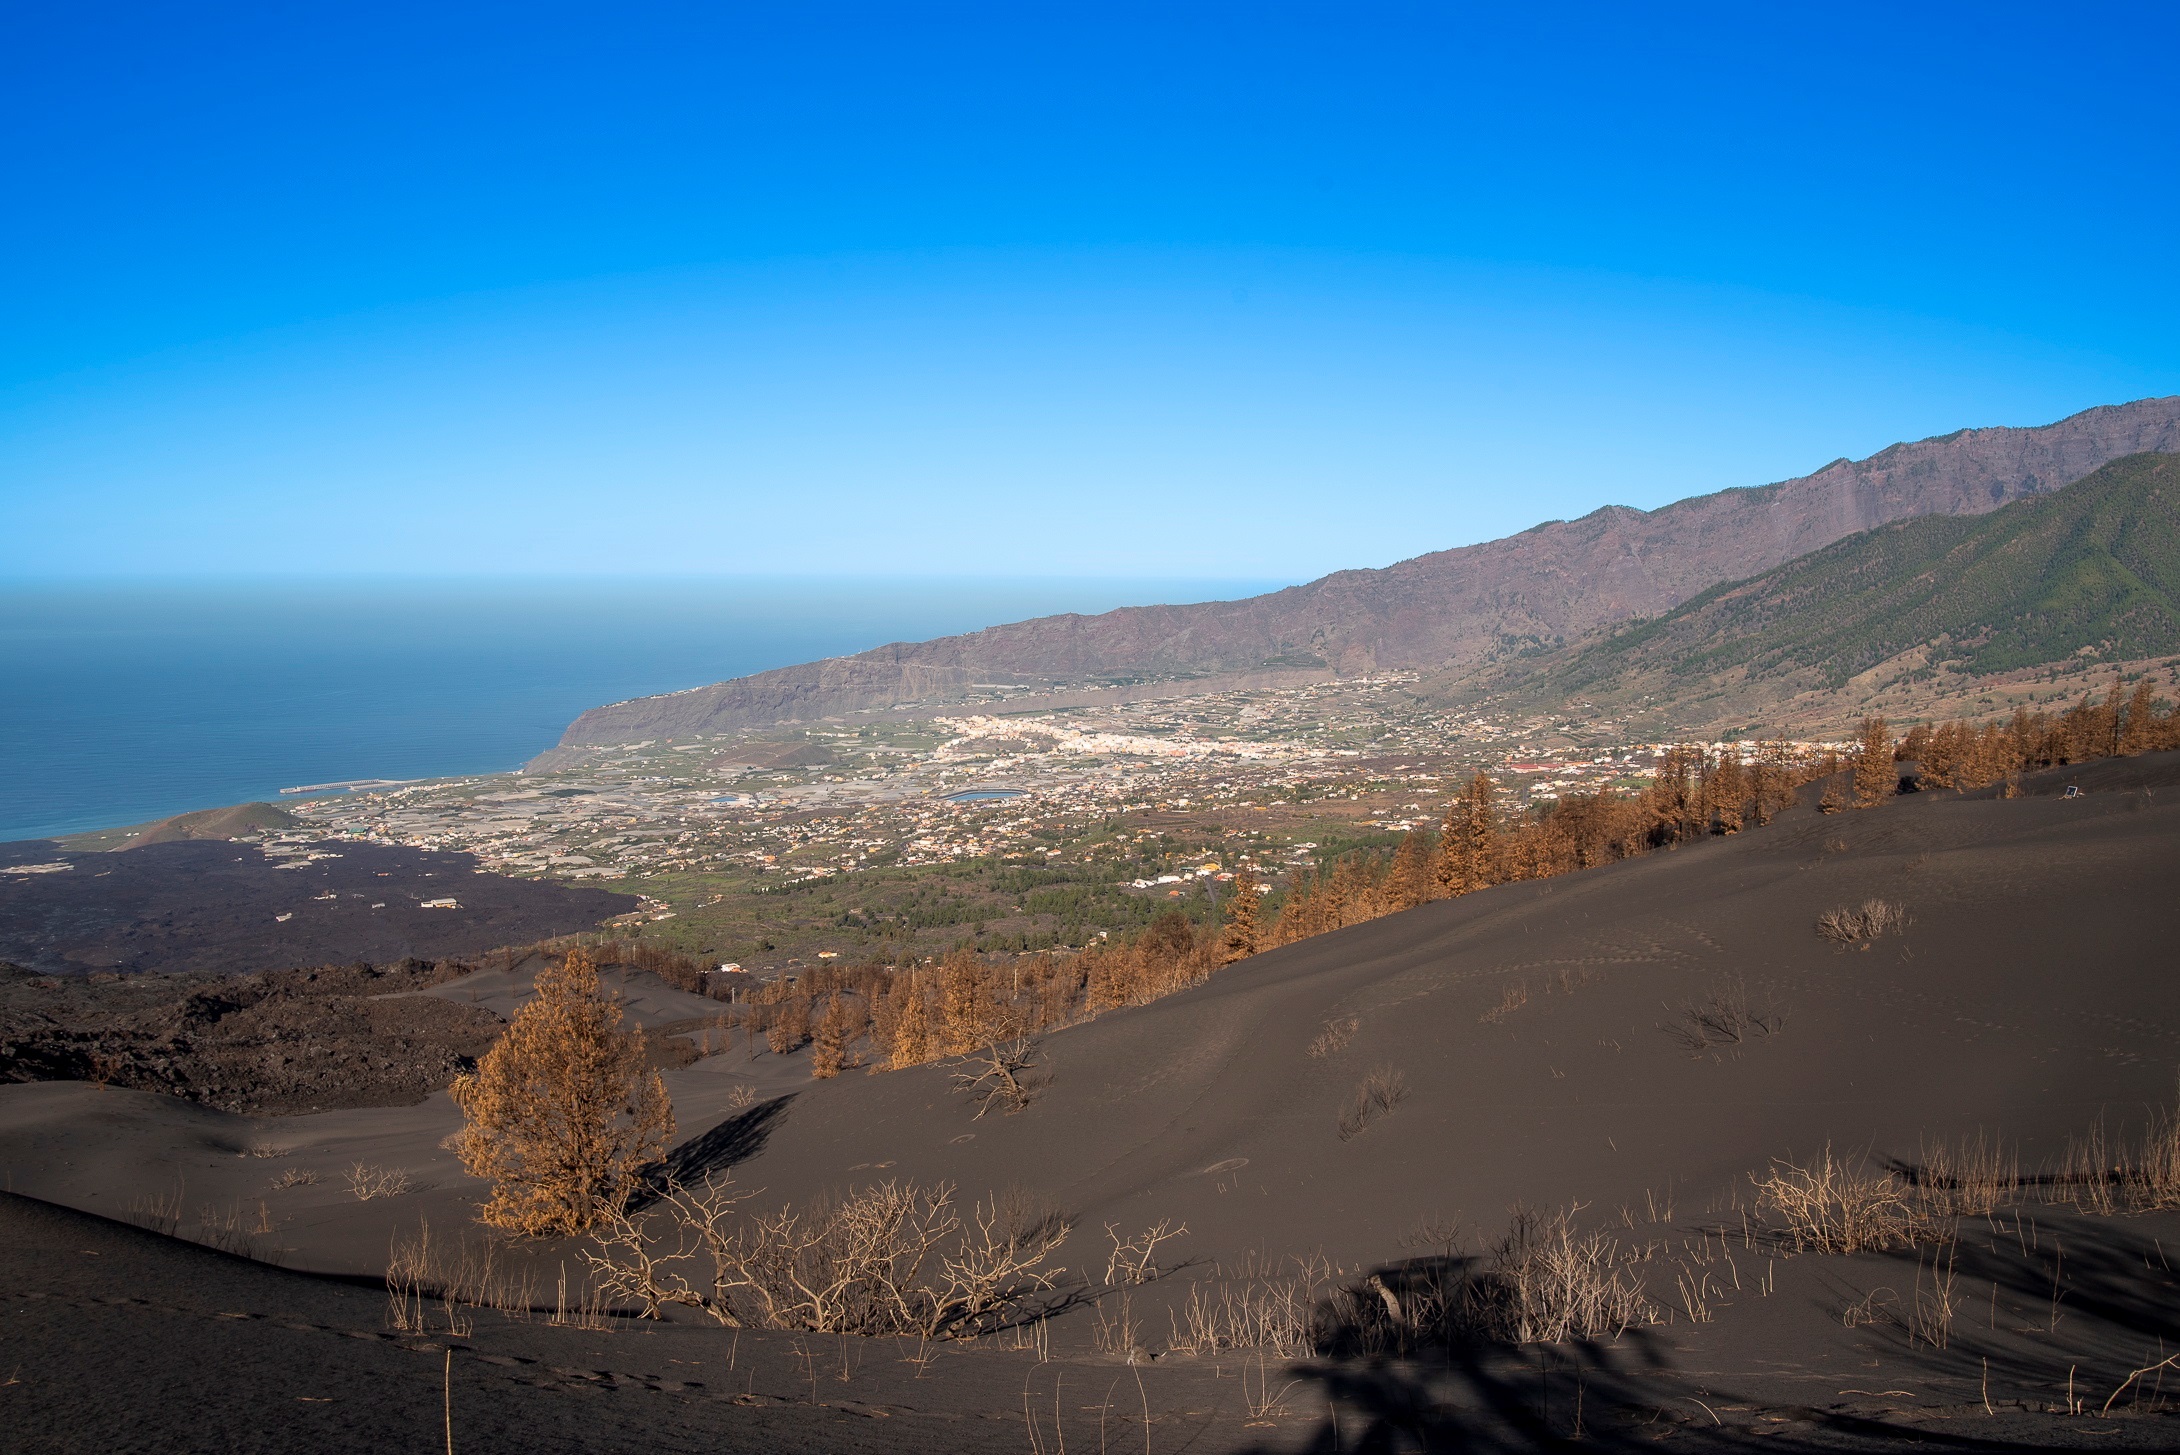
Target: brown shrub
1858,924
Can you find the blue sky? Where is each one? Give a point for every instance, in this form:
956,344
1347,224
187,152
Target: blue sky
1252,291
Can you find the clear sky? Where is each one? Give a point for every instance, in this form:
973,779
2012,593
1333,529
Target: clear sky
1252,291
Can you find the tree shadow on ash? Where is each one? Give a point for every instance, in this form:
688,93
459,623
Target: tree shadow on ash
2037,1304
709,1153
1461,1387
1414,1357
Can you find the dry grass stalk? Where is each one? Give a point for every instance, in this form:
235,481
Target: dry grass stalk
421,1271
1969,1178
2090,1172
230,1229
1694,1286
1513,999
2104,1174
1277,1314
1873,919
1931,1318
1830,1207
2153,1176
1334,1037
158,1212
1381,1091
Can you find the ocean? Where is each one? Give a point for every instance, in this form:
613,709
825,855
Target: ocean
122,704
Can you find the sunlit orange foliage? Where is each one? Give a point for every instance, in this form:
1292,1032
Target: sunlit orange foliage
563,1110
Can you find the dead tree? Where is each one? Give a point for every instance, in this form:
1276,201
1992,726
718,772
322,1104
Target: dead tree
1002,1075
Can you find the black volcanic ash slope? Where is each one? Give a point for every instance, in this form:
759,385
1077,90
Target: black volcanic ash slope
215,906
1536,1027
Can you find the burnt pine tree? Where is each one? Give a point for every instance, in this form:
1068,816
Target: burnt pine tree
911,1025
1875,778
1241,935
563,1111
1468,849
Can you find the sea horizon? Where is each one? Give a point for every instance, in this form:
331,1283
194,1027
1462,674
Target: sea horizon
130,700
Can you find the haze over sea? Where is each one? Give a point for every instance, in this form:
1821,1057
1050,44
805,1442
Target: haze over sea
125,703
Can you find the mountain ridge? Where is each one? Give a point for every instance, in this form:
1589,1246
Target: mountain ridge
2092,569
1445,611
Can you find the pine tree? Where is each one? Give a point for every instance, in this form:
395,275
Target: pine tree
1875,778
1239,939
562,1111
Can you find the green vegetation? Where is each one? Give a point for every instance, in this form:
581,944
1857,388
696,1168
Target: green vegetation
240,820
2095,565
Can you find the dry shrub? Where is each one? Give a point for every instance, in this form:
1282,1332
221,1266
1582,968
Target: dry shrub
1381,1091
1005,1077
893,1258
1334,1037
294,1177
1856,925
1831,1207
368,1182
1134,1261
1722,1018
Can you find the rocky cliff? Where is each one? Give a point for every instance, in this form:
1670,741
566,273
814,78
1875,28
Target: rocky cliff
1449,610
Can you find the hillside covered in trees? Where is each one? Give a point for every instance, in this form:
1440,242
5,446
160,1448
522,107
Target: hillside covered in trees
2091,570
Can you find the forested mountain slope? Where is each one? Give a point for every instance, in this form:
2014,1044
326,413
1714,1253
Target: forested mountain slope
2093,569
